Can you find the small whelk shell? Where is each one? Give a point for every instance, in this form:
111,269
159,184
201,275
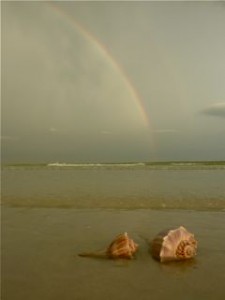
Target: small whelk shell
121,247
175,244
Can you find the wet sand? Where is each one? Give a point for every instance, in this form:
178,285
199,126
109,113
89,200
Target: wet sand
40,259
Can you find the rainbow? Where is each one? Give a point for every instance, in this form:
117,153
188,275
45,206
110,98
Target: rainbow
107,56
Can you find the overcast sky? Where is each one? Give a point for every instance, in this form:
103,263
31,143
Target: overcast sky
113,81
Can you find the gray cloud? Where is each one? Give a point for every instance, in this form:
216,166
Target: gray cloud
9,138
215,110
166,130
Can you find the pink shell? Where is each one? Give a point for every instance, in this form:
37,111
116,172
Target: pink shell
122,247
175,244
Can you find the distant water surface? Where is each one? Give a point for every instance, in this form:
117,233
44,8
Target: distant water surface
173,185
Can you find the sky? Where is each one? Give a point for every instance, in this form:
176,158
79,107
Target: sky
113,81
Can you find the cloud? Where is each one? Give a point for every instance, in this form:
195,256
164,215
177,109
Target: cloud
53,129
166,131
106,132
216,110
9,138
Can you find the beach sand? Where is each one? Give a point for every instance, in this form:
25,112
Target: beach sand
40,259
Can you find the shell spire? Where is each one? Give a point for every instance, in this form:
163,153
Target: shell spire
121,247
173,245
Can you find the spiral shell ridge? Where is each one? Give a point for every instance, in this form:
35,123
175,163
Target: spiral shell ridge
122,247
172,245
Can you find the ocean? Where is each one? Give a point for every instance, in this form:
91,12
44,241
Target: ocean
52,212
196,186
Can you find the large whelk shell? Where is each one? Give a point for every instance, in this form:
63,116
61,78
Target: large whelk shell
121,247
175,244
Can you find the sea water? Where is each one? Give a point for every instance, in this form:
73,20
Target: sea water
174,185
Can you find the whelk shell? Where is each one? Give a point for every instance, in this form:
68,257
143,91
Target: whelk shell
121,247
173,245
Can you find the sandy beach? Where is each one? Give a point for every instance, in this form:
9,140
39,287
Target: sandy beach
40,255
